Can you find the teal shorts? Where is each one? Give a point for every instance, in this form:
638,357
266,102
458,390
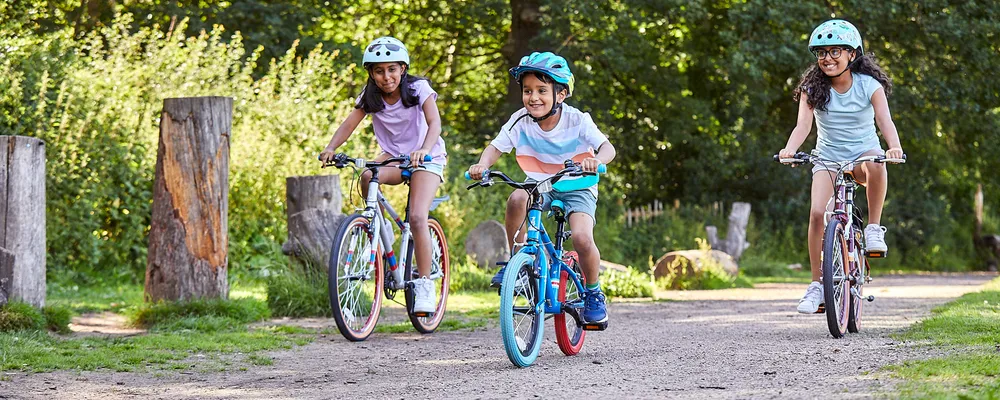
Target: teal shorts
582,201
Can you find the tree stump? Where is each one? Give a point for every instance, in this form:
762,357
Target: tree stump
189,229
736,236
313,206
6,275
22,215
687,263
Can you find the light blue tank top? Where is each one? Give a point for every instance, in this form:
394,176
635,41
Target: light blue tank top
846,130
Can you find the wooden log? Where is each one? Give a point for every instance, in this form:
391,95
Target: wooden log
690,262
313,206
22,215
315,191
189,229
6,275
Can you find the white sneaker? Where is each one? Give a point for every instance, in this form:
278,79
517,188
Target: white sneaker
813,298
423,296
875,238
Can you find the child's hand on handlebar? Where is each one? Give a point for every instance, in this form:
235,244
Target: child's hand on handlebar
894,152
476,171
327,155
590,164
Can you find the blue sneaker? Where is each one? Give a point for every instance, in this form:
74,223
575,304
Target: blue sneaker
498,278
594,310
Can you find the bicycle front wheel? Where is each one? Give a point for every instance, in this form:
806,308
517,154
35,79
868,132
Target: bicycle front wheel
836,286
569,334
440,275
522,317
356,279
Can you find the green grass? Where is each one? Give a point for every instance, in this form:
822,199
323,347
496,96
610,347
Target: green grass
113,298
969,328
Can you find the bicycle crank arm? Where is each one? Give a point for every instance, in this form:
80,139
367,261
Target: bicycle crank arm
573,312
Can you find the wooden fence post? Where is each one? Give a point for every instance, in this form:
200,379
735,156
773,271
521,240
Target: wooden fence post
22,215
189,229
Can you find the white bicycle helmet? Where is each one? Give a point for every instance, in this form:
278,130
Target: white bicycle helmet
385,49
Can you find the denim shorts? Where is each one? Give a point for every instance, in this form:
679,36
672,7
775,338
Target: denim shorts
434,168
582,201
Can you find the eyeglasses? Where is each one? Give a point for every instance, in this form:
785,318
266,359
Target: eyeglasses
389,46
834,53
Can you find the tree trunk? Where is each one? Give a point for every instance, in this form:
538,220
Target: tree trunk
313,210
736,236
189,229
525,22
6,275
22,215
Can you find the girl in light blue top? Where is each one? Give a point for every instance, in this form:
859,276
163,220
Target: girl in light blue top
845,92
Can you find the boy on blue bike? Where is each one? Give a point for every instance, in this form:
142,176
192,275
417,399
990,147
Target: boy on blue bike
545,133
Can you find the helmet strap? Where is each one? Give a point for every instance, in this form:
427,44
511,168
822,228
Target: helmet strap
556,106
849,65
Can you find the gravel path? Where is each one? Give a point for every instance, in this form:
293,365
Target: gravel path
739,343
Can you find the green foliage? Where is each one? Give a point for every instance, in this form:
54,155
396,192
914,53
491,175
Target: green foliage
970,327
468,277
299,292
707,274
200,315
629,284
57,318
17,316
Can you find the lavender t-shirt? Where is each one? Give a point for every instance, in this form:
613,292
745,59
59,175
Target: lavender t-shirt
402,130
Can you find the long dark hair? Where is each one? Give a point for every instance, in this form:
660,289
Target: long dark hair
371,95
816,84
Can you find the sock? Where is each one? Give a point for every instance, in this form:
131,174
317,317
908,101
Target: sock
595,286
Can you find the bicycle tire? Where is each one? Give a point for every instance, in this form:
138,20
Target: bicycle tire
440,246
569,334
519,295
836,286
356,306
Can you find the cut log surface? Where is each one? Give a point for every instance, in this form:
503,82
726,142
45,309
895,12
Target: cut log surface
188,239
22,215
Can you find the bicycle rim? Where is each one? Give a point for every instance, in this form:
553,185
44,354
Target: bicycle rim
836,286
355,278
570,335
521,315
440,275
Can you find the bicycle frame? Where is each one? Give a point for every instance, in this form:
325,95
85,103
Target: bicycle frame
376,206
539,245
843,210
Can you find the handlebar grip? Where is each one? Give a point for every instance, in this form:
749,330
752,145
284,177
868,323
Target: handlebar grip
467,176
602,169
776,158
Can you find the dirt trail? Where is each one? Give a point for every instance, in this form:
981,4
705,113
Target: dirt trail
739,343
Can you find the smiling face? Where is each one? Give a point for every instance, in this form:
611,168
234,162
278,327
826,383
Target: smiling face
387,75
833,60
537,95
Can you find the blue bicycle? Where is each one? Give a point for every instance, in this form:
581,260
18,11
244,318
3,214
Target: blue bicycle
540,280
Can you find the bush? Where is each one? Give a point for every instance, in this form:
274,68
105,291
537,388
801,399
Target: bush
468,277
17,316
631,283
57,318
707,275
299,291
207,315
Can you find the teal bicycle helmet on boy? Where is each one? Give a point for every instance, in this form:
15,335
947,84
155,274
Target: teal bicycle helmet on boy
553,66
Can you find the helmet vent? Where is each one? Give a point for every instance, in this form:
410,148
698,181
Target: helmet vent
829,35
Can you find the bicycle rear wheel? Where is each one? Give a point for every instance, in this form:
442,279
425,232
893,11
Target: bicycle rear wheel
440,275
836,286
521,314
569,334
356,279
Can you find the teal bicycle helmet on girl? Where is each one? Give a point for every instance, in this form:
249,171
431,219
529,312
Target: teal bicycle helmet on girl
836,32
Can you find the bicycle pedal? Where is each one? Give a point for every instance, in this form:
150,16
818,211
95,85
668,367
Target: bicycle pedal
875,254
423,314
821,309
599,326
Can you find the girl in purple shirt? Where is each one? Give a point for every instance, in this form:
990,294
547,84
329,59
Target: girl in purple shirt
406,120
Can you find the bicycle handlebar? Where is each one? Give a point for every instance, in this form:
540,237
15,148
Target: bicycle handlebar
571,169
802,158
341,160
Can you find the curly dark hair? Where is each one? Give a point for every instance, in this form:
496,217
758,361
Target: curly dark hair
371,100
816,84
